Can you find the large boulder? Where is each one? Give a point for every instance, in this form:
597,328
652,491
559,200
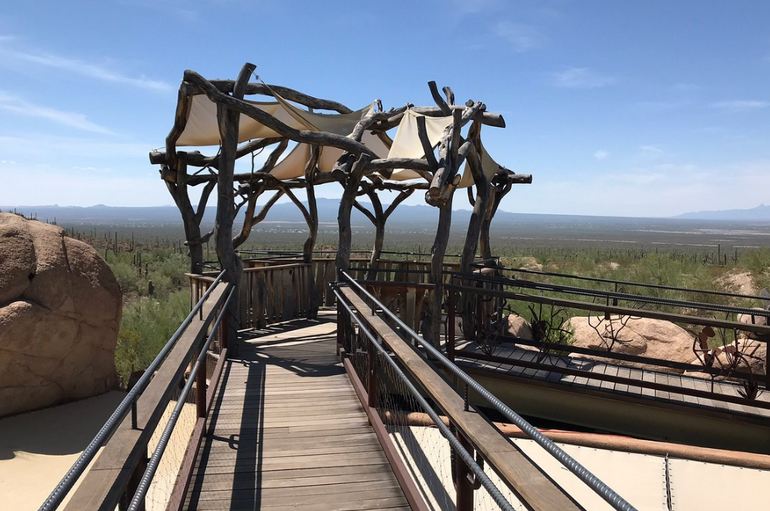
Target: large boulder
60,309
645,337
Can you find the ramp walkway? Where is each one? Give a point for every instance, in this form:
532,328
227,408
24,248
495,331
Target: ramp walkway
287,431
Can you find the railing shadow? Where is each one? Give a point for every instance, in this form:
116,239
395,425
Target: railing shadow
245,468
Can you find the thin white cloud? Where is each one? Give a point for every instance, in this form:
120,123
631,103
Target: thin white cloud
82,68
601,155
740,105
16,105
650,151
582,78
521,38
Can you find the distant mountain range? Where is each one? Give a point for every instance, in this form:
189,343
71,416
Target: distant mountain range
283,212
758,214
417,224
406,216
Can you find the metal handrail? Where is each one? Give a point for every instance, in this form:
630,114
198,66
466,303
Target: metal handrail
469,461
152,465
600,293
636,284
593,482
76,470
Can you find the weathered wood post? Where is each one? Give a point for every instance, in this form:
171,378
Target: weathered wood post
462,483
471,150
228,121
501,185
350,183
311,169
379,217
440,194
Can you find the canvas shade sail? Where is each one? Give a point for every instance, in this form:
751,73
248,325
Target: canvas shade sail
202,128
406,144
293,165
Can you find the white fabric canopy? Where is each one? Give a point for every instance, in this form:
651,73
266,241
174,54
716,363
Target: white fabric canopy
406,144
202,128
293,165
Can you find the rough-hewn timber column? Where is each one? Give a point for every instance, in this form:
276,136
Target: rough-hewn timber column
351,183
312,206
497,193
379,217
228,131
191,218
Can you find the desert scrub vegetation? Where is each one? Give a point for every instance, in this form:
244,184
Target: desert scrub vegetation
156,299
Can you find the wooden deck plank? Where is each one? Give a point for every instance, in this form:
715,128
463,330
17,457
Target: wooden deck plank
287,430
684,382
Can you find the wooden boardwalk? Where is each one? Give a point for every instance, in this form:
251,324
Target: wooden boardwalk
511,355
287,431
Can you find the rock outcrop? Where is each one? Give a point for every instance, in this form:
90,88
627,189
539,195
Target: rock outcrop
746,355
646,337
60,309
519,327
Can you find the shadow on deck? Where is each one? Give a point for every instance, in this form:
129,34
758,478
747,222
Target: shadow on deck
618,407
287,431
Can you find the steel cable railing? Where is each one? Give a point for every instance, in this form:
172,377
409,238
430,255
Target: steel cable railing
455,444
561,288
152,465
593,482
126,405
628,283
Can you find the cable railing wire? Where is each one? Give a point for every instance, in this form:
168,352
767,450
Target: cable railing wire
561,288
64,486
593,482
154,461
466,457
635,284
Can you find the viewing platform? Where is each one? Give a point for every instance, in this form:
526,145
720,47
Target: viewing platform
329,397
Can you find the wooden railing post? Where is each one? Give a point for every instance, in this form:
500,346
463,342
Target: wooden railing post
200,389
462,482
371,381
133,483
223,333
450,330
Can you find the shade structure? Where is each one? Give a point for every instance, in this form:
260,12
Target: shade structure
406,144
201,128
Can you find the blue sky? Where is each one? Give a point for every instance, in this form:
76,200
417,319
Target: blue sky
628,108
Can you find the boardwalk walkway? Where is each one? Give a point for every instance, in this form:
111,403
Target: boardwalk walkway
288,432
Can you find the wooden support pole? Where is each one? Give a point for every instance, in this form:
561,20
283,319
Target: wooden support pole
228,121
311,169
191,218
437,270
351,184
